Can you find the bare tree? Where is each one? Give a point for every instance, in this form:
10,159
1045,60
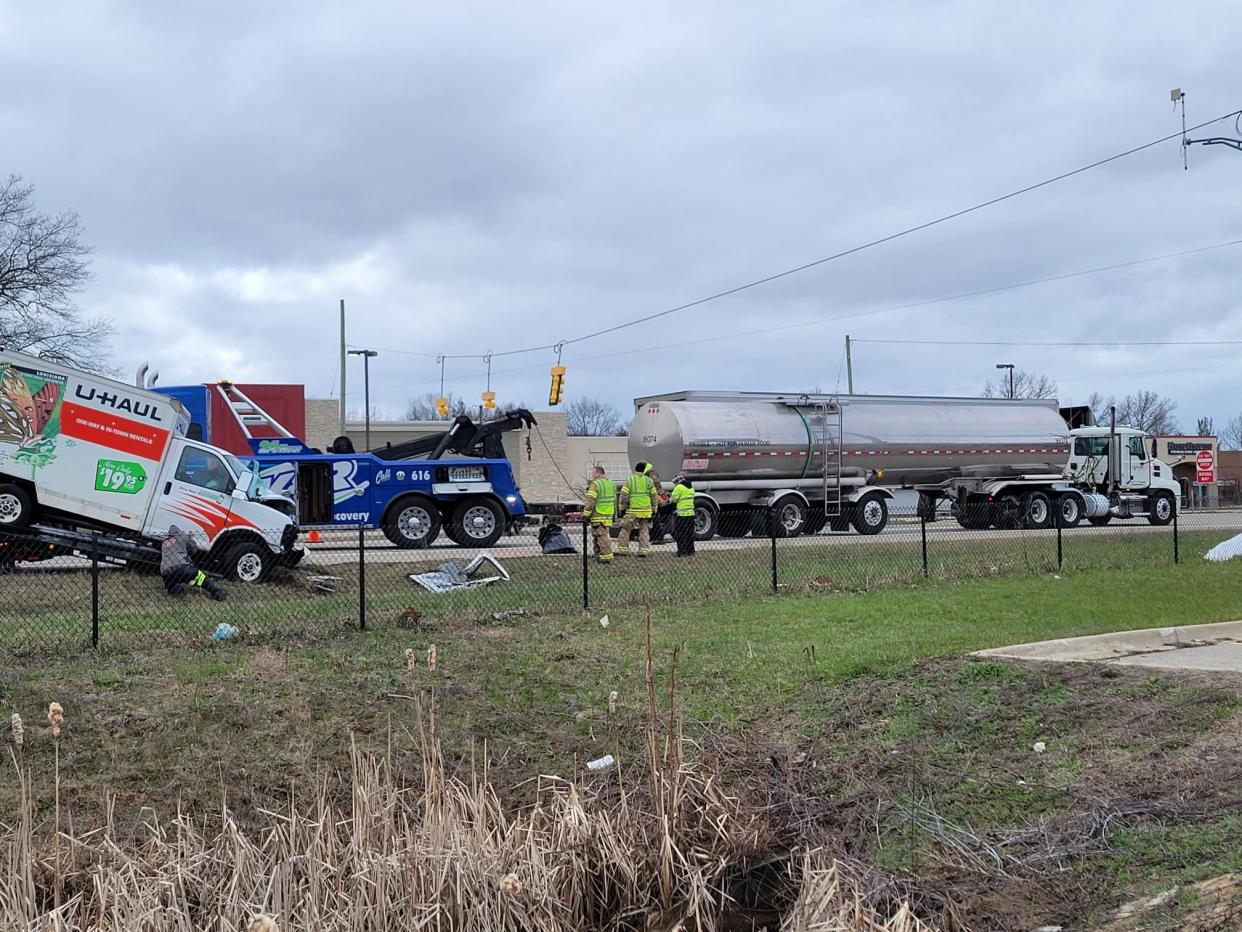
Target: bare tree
1231,436
43,265
590,417
1204,427
1025,385
1148,411
423,407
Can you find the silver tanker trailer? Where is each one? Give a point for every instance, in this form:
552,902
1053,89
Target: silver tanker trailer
805,461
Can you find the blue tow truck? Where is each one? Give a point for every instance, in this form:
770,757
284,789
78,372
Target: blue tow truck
410,490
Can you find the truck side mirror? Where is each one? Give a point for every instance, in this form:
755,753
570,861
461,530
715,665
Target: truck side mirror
1153,447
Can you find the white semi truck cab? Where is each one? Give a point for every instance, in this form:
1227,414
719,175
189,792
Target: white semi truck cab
1119,465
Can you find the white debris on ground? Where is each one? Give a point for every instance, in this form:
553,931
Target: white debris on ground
1225,550
452,575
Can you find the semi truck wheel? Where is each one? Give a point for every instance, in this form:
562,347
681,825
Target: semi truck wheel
734,523
789,514
1037,511
706,520
478,523
870,514
1070,508
248,562
1160,509
412,522
974,516
16,506
1008,512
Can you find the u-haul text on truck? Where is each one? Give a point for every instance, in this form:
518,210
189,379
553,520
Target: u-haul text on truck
84,451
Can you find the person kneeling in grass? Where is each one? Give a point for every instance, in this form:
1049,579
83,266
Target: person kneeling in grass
178,569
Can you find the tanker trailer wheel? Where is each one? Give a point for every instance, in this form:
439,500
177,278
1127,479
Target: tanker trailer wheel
789,512
706,519
973,516
870,514
1036,511
1070,508
16,506
1160,509
734,522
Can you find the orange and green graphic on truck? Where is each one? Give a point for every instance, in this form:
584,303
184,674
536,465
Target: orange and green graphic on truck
30,403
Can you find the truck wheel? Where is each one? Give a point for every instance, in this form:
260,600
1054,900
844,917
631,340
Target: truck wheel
1070,508
478,523
1008,512
706,520
248,562
412,522
973,516
1037,511
450,530
16,506
1160,509
870,514
789,513
733,522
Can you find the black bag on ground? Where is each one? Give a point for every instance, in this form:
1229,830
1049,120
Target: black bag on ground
553,539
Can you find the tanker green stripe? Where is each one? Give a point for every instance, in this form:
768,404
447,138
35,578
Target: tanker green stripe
810,443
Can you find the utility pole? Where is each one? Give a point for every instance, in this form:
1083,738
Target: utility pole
366,355
1009,366
849,366
342,412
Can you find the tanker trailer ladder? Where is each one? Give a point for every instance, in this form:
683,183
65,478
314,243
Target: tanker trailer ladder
832,453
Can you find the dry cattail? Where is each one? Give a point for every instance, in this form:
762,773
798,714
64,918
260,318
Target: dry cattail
431,658
410,659
510,884
19,733
612,703
55,715
261,923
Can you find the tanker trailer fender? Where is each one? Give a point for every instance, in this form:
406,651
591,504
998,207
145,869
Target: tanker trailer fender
857,494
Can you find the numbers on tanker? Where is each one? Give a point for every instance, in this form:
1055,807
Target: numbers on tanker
649,439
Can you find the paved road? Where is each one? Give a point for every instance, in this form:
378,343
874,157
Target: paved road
342,547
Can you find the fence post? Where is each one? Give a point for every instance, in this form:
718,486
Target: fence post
1177,557
923,528
772,532
362,577
95,590
586,564
1056,519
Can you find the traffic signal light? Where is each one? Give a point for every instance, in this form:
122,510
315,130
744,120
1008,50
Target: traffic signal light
442,407
489,400
557,392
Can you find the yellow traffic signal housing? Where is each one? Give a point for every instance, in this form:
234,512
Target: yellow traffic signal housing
557,392
442,407
489,400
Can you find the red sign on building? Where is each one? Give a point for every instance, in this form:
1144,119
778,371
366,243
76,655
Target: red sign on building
1205,467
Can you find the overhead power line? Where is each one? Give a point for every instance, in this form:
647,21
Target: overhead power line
1056,342
767,279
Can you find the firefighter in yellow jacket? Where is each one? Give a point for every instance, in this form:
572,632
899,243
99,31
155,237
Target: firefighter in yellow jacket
639,498
601,506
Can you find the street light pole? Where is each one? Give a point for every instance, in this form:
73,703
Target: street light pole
366,355
1009,366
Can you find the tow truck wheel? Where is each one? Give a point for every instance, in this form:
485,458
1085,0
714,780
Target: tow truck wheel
478,523
870,514
1160,509
412,522
248,562
16,506
1037,510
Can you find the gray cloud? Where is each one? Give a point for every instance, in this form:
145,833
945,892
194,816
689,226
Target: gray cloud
490,176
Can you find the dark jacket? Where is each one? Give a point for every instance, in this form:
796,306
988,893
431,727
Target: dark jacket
175,551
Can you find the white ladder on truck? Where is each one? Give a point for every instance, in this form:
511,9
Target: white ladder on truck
247,413
831,448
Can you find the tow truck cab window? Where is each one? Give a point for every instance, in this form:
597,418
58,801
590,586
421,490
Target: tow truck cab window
1091,446
205,470
1138,448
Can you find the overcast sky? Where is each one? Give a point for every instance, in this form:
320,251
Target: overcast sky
474,177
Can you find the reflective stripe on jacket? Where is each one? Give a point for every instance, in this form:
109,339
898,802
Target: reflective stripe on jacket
601,500
683,498
639,491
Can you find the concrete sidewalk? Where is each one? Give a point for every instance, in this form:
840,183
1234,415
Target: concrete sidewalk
1190,647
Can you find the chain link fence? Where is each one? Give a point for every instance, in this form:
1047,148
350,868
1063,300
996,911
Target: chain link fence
66,592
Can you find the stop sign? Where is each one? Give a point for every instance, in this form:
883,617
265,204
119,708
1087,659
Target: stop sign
1204,460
